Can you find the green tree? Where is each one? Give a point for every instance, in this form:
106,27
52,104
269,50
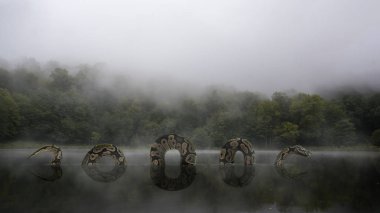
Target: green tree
375,137
26,82
283,101
344,133
61,79
288,133
200,137
5,79
9,114
213,104
189,118
267,119
217,128
355,107
95,137
307,111
373,112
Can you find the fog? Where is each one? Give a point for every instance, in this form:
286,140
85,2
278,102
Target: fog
331,182
261,46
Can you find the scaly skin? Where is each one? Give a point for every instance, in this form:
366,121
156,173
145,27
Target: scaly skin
101,150
172,141
228,151
297,149
89,164
55,150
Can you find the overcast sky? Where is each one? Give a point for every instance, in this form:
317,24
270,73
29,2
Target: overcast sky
256,45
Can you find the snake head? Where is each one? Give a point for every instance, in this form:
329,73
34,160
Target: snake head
301,151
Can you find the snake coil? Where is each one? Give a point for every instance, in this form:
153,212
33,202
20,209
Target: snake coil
101,150
228,151
172,141
226,160
283,154
188,158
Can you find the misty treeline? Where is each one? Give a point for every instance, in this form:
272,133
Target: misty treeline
63,106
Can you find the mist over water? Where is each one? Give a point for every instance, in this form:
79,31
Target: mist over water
331,182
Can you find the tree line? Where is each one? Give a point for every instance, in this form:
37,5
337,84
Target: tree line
66,107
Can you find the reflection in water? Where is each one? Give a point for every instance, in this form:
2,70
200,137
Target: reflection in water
158,166
336,182
53,171
47,173
89,163
182,181
104,176
229,176
284,153
228,151
289,173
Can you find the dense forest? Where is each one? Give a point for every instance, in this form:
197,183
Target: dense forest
60,105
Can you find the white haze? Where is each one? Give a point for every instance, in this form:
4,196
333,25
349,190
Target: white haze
262,46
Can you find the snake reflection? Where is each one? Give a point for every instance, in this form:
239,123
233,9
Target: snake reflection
284,153
54,168
157,157
227,159
187,167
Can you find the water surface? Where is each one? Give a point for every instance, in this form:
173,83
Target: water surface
327,182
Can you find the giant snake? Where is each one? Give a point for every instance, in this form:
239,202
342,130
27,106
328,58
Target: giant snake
188,160
98,151
55,150
227,159
55,164
172,141
284,153
228,151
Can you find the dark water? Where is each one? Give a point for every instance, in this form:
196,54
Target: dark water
327,182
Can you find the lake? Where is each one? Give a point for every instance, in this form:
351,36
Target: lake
326,182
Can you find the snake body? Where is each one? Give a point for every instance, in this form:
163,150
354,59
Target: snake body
172,141
297,149
279,163
188,159
228,151
55,150
101,150
226,160
55,164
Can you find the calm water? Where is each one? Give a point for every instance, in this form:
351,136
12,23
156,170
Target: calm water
327,182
